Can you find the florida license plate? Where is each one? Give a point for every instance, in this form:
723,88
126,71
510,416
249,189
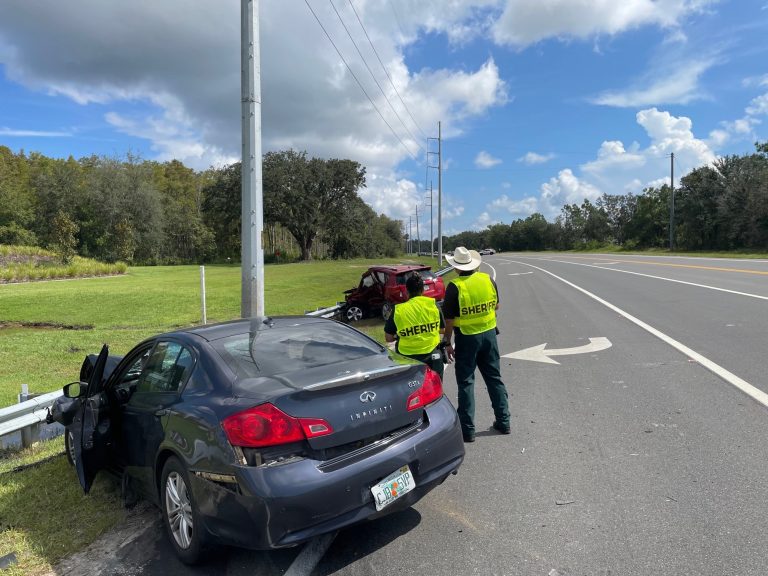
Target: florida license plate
397,484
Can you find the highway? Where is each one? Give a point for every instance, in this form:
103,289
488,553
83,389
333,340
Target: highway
640,452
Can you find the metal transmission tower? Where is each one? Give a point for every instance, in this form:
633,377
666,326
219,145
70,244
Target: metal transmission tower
672,203
418,236
252,254
439,168
431,231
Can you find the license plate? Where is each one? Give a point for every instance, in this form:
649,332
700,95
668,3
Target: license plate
397,484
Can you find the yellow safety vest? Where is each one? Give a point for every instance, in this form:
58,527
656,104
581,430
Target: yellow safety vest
418,326
477,303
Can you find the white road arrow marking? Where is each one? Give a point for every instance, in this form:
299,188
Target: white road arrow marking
539,354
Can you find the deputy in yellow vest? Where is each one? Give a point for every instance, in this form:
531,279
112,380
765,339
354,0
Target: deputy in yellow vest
469,307
417,326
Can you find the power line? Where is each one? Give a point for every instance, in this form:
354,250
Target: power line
385,70
397,17
411,154
371,71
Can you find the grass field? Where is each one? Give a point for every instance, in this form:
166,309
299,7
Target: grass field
46,328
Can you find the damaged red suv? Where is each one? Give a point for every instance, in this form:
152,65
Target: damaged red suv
381,287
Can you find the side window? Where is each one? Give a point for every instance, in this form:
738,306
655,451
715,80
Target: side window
130,377
382,277
367,281
167,367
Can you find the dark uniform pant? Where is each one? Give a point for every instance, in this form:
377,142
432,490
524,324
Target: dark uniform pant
434,360
479,351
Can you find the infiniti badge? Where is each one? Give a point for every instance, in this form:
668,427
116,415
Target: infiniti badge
368,396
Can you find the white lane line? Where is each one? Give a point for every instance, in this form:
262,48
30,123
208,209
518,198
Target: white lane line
519,273
492,268
659,278
310,555
716,369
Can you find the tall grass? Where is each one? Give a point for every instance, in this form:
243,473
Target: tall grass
30,263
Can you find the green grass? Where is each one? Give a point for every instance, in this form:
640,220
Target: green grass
43,512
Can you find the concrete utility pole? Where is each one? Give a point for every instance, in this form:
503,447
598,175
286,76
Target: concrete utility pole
252,253
439,194
672,203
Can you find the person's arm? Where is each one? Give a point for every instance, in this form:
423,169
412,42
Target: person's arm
390,329
450,311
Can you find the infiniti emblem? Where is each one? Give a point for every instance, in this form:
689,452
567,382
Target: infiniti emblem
368,396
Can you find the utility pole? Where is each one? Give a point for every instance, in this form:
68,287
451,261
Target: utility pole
672,203
439,194
252,214
418,236
431,231
439,167
410,234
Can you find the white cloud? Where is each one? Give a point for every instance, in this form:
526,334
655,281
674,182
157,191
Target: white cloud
179,69
5,131
485,160
517,208
564,189
758,106
662,86
526,22
532,158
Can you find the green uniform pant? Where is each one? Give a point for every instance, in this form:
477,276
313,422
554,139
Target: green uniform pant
435,363
479,351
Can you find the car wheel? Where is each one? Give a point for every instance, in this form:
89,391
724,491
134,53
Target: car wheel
180,513
69,446
386,310
354,313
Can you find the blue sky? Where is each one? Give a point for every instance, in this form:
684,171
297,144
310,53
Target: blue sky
542,102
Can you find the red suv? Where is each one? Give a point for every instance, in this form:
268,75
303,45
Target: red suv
381,287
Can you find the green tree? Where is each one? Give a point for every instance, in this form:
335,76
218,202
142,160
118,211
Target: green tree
64,236
308,195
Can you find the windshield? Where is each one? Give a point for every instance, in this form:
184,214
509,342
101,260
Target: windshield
291,348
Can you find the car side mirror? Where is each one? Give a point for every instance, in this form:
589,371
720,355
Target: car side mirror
75,389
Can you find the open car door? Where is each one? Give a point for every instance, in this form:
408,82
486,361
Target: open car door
92,427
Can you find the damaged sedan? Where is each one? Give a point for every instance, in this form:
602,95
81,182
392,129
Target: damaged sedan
262,433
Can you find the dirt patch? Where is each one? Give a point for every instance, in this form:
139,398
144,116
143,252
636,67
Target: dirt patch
122,551
44,325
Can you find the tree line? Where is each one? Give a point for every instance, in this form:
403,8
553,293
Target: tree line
719,207
147,212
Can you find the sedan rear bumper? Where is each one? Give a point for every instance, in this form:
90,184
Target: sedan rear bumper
284,505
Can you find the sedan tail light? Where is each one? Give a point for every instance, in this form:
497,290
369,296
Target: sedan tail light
430,390
267,425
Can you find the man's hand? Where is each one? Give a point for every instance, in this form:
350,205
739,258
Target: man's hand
450,352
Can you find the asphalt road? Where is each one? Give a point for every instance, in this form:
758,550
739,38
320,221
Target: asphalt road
643,457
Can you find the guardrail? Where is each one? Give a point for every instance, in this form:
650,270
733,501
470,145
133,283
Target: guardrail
24,423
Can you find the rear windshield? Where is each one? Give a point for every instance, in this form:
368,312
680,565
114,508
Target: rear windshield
291,348
425,275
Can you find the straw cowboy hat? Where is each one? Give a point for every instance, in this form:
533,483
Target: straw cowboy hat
464,259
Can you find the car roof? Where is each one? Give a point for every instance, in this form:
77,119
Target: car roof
212,332
400,268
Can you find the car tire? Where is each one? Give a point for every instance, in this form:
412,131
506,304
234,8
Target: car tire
354,313
386,310
180,515
69,447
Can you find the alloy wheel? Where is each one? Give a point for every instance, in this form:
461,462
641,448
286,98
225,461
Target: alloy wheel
354,313
179,509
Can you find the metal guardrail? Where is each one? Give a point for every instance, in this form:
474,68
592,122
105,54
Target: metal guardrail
24,423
